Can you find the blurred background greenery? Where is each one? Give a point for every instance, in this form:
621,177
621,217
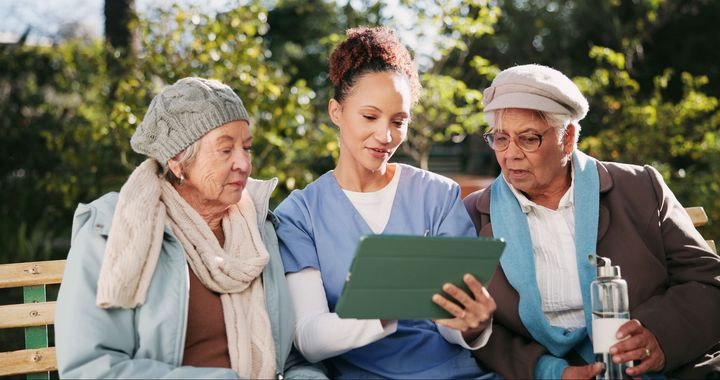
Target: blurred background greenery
650,69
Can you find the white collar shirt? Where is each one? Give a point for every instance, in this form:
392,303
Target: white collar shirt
553,239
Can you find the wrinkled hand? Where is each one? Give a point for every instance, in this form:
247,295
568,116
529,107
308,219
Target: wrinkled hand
582,372
640,345
476,311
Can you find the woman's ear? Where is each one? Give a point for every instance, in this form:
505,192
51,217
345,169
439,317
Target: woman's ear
175,167
569,139
335,111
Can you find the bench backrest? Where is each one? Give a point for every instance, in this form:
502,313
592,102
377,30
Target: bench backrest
35,314
699,219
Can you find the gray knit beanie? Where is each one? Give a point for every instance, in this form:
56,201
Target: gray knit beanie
184,112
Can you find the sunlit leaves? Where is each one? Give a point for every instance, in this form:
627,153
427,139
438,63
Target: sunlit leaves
448,111
677,136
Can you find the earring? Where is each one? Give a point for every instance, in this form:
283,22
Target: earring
182,179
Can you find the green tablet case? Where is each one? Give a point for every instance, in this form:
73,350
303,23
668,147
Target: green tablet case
395,276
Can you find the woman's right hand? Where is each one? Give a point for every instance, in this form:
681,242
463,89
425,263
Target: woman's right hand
473,312
582,372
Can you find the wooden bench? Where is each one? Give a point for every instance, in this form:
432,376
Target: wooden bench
699,219
37,360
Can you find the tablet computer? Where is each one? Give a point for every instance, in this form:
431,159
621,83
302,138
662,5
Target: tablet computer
395,276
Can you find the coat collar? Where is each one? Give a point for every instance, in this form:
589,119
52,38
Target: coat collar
482,204
606,181
606,184
260,192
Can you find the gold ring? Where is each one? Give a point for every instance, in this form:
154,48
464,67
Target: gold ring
647,352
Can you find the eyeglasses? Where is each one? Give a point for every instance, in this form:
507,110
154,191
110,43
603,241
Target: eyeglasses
528,141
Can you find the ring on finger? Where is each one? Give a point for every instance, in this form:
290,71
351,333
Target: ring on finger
647,352
462,316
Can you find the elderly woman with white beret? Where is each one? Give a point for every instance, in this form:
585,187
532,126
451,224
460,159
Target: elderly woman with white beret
179,274
554,206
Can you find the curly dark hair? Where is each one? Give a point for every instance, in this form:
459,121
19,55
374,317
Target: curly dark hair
368,50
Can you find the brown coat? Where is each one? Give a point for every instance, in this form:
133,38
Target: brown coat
673,277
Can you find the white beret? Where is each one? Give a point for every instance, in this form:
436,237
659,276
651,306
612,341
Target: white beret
535,87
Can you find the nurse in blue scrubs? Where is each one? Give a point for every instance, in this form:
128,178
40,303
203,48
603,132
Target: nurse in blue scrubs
320,226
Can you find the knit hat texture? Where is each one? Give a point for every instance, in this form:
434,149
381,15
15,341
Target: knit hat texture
535,87
183,113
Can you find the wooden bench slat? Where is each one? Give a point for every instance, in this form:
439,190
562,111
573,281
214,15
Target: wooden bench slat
31,273
697,215
711,243
26,315
28,361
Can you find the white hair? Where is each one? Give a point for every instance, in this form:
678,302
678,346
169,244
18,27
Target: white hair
185,158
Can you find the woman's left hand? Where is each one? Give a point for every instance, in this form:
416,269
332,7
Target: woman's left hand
476,311
638,344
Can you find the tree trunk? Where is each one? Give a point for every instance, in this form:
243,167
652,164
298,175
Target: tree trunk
119,15
425,160
121,41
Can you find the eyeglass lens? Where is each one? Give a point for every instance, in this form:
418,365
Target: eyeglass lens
500,141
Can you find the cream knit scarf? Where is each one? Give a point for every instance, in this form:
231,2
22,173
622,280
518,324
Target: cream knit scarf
145,205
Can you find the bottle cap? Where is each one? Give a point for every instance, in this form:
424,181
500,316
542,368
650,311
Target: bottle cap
604,266
608,271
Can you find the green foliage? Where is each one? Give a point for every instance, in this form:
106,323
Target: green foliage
301,36
231,47
653,96
651,35
447,112
67,112
680,137
66,122
52,96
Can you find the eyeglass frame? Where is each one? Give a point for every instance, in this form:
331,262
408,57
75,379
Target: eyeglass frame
540,136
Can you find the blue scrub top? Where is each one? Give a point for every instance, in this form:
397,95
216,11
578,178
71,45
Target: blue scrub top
320,228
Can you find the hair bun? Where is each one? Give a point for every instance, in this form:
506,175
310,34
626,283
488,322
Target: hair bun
365,47
360,47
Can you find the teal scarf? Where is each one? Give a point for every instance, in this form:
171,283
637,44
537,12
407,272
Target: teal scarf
510,224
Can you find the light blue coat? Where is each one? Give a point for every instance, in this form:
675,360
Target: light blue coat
148,341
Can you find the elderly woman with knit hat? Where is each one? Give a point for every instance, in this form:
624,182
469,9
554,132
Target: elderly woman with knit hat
179,274
554,206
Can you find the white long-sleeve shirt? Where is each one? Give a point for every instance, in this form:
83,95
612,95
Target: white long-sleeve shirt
320,334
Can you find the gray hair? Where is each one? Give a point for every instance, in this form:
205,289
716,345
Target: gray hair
185,158
556,120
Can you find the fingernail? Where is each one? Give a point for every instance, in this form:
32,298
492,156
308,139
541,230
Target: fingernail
619,335
616,359
613,350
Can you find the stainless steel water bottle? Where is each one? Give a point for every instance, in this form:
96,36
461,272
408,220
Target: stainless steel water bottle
610,310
